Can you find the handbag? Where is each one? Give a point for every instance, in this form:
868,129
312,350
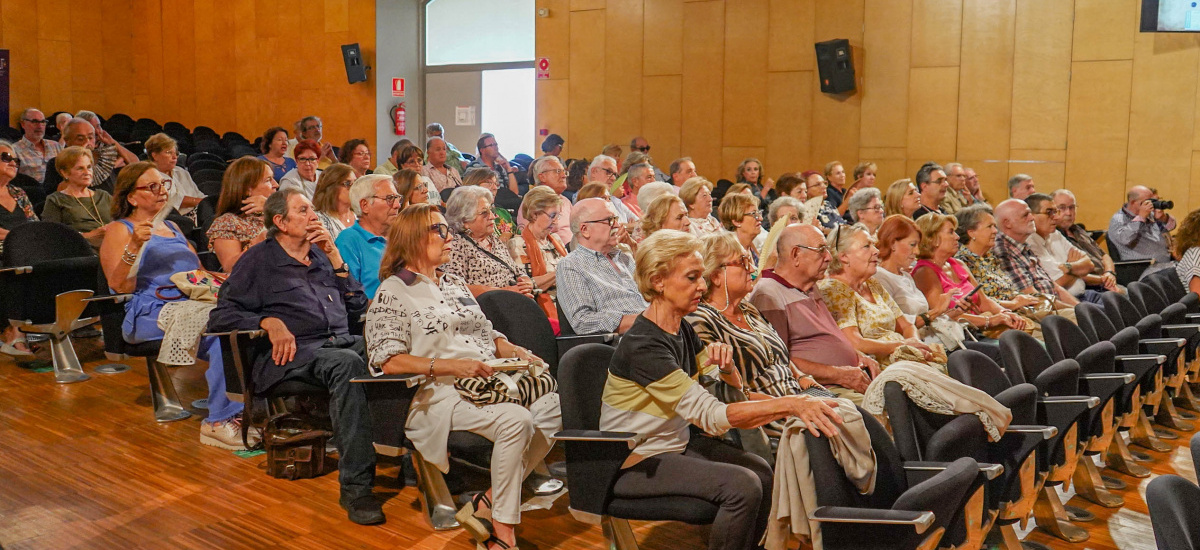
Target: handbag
294,449
520,387
200,285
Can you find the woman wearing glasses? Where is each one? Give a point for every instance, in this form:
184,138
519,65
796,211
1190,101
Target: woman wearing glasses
815,185
239,225
416,287
305,175
84,209
357,154
164,152
477,255
486,179
866,207
538,247
331,199
141,192
740,214
15,210
696,194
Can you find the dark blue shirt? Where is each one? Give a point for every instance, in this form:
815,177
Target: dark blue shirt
311,300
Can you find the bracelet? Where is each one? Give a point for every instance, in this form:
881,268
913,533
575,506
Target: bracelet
925,318
128,257
430,375
1110,272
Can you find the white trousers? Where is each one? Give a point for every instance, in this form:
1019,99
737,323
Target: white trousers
521,439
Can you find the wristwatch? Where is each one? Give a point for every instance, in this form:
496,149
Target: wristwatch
343,269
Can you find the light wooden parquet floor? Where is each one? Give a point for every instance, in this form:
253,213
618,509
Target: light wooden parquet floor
85,466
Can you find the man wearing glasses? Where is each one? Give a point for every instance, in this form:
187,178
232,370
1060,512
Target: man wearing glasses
1068,265
548,170
1103,269
490,158
311,127
33,150
956,196
789,299
640,145
603,169
932,183
377,203
596,290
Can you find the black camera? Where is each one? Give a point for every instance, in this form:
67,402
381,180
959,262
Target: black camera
1162,205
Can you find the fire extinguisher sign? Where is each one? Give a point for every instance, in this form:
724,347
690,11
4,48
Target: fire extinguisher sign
397,87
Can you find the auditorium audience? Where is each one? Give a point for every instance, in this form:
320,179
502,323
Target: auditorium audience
1020,186
412,158
957,196
1103,270
374,199
274,145
977,235
788,298
595,281
898,241
477,255
864,174
239,224
141,192
331,200
696,194
974,191
78,205
553,145
297,287
437,167
1187,248
836,192
184,195
548,171
1012,252
790,209
603,169
60,122
82,133
640,145
489,157
311,128
454,158
931,182
651,390
901,198
1139,231
33,149
106,146
791,185
638,176
865,206
539,247
682,169
305,175
739,214
665,212
485,178
15,209
357,154
411,187
613,151
414,288
1069,266
816,188
391,164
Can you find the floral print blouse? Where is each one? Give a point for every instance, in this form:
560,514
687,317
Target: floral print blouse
240,228
992,278
876,321
470,262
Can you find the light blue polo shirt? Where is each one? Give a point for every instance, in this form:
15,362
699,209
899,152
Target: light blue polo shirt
362,251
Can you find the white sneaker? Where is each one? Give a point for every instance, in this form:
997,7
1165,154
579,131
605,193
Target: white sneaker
13,351
227,434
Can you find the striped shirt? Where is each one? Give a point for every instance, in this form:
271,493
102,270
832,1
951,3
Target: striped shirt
33,162
759,353
595,290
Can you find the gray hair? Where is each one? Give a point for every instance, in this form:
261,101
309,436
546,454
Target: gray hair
969,219
773,210
364,188
651,191
640,169
538,167
1016,180
88,116
276,205
599,160
463,206
1066,192
433,127
950,165
839,240
862,198
27,110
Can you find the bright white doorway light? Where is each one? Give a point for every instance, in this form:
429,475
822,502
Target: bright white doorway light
508,110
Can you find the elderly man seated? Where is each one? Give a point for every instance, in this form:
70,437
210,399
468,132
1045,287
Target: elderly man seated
1139,231
296,286
1103,274
596,289
789,299
1070,265
33,149
1016,224
376,202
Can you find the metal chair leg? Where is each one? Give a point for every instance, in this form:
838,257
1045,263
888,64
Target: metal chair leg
162,392
436,500
618,534
66,364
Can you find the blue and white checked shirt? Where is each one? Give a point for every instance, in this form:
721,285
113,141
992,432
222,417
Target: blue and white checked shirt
593,294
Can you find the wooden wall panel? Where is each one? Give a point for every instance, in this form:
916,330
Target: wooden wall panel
1041,75
577,5
932,114
586,116
19,29
552,37
1098,134
836,118
790,30
1104,29
744,103
662,124
623,66
936,32
703,29
887,48
788,126
986,78
553,104
1160,130
730,158
662,41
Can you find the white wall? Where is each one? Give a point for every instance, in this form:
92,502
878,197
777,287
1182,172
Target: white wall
448,91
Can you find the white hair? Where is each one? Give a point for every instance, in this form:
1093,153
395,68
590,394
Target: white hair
599,161
364,188
1066,192
651,191
540,164
463,206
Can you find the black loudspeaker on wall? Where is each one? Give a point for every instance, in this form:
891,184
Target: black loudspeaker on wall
356,71
836,66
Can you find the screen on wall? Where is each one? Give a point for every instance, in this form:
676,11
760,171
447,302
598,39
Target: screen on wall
1170,16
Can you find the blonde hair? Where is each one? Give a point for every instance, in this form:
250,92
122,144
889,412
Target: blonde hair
594,190
691,188
539,199
839,240
69,157
656,214
658,255
894,196
326,195
733,208
716,248
160,143
406,238
930,224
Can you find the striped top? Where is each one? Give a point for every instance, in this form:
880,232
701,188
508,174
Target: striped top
760,355
652,389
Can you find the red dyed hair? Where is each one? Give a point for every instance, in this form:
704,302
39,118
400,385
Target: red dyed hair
306,145
894,228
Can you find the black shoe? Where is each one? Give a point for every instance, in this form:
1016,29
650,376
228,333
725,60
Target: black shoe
364,510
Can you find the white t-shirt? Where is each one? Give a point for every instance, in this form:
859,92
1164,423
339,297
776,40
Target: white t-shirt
182,186
295,180
905,292
1052,252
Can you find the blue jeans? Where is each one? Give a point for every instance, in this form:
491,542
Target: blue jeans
220,407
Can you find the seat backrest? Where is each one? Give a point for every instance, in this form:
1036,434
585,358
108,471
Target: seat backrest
923,435
564,324
1120,311
582,373
35,242
520,319
1143,297
836,490
1173,512
1168,281
1064,339
1094,322
977,370
1024,353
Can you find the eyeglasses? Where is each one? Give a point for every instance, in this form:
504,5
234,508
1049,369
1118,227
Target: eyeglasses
645,149
876,207
487,146
441,229
610,172
746,262
156,187
306,159
556,171
823,249
610,221
486,213
1066,208
816,185
1050,212
33,121
347,183
551,215
391,199
757,214
9,157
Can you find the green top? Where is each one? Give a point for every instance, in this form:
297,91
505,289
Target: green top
81,214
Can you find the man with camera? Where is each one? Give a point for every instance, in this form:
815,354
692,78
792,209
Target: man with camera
1140,229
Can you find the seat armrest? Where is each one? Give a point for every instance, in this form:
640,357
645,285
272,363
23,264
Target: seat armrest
17,270
248,333
989,470
920,521
1180,331
1126,377
594,459
1063,411
1046,432
629,438
1140,365
114,298
1192,317
1160,346
1086,400
407,377
600,337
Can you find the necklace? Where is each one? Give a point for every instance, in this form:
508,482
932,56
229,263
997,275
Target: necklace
95,211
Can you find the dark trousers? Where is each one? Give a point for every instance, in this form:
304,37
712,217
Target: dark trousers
334,366
737,481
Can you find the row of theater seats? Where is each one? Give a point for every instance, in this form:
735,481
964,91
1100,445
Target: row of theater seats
1123,368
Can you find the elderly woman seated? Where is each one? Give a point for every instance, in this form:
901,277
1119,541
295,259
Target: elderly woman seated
817,189
239,225
665,212
78,205
305,175
652,389
977,233
331,199
739,213
863,309
453,357
485,178
696,194
184,197
866,207
538,247
477,255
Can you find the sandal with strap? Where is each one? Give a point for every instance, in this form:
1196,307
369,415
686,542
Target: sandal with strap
473,522
486,545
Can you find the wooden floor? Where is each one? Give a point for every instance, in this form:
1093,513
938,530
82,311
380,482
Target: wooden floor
85,466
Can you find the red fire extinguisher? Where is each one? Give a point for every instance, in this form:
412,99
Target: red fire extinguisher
398,123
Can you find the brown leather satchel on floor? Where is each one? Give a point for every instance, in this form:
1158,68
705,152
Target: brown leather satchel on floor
294,449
